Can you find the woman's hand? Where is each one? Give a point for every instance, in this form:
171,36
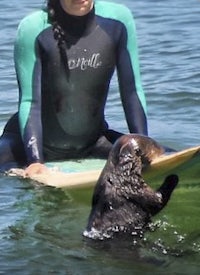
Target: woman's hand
35,168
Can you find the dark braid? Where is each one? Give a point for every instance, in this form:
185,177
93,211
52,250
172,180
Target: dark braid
59,34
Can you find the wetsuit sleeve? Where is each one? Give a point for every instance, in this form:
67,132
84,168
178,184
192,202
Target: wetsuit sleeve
28,71
132,94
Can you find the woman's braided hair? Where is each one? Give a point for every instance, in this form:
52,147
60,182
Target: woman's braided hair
59,34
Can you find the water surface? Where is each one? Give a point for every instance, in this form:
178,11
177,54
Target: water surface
41,228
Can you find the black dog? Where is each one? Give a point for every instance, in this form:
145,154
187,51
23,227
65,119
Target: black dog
122,201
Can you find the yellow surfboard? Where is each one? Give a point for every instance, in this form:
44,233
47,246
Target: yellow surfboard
84,173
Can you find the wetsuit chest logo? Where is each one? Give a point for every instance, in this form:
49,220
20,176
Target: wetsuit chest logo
83,63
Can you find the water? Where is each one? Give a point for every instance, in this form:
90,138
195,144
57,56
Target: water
40,227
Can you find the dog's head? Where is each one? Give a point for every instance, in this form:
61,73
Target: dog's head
125,157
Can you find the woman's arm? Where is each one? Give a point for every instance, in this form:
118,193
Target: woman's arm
132,94
28,70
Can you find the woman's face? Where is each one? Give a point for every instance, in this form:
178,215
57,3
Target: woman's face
77,7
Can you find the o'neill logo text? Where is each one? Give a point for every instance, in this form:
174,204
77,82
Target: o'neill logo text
83,63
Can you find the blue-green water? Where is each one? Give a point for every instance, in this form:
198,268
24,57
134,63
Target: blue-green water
40,227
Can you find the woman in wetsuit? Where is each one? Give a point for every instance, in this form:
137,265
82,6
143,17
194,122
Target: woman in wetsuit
65,56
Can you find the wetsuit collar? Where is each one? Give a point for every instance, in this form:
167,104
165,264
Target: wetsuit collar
75,25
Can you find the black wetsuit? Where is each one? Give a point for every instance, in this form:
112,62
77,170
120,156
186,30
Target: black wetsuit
61,106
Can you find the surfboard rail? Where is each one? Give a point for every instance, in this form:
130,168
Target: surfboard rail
63,179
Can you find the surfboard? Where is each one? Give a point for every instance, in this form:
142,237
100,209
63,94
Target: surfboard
84,173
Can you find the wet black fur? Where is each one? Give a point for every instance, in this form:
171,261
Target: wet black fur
122,201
